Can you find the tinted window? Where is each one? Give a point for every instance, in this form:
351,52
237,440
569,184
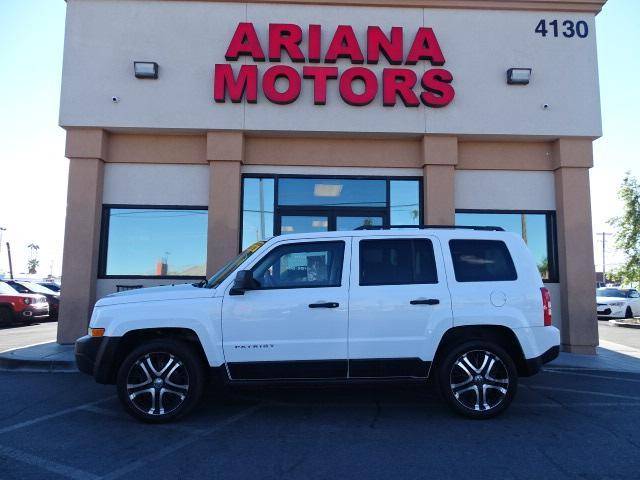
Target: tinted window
156,242
397,262
300,265
257,210
332,192
633,294
404,202
482,261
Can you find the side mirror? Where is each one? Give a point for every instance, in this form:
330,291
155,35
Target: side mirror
244,281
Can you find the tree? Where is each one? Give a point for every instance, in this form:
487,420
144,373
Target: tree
33,262
627,236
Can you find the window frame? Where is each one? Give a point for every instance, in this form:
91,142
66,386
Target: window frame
389,239
278,210
552,235
288,244
104,240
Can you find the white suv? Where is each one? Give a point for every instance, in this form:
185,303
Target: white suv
465,306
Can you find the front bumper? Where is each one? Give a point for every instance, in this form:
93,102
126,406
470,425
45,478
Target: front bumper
610,311
35,312
97,356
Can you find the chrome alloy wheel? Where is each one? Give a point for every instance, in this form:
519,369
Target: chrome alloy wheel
479,380
157,383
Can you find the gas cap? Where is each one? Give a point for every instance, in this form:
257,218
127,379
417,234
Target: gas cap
498,298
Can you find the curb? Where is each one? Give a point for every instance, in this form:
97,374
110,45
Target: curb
618,323
8,364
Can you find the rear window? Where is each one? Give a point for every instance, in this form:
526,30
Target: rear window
397,262
482,261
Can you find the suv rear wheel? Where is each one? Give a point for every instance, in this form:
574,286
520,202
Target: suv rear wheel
478,379
160,381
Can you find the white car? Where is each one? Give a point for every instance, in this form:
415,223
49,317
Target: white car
617,302
465,306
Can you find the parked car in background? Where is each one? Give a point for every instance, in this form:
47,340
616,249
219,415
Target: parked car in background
53,298
21,307
617,302
466,307
51,286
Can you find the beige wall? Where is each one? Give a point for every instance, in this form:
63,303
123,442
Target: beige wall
225,153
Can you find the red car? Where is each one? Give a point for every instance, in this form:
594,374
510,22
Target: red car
21,307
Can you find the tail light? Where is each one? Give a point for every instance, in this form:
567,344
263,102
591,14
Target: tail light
546,306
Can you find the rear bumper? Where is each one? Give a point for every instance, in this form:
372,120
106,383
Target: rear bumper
533,365
97,356
539,345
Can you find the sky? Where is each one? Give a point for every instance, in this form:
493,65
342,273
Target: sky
33,170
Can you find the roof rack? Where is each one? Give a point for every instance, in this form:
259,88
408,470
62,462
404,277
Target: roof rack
423,227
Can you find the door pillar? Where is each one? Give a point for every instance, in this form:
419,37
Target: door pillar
86,150
440,157
572,160
225,154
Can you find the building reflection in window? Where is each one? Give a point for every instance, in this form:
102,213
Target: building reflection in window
257,210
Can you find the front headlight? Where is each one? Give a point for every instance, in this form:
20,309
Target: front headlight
27,301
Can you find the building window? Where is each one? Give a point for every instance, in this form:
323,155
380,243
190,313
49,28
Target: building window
282,204
153,242
257,210
537,228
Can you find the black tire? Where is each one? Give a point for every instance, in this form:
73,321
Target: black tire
6,317
177,386
488,368
628,313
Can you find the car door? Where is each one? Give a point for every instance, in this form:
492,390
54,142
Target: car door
399,305
294,324
634,301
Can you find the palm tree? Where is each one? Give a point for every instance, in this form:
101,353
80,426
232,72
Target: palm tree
33,262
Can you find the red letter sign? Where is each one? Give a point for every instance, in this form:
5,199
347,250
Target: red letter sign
344,45
269,84
399,81
425,47
370,86
245,42
285,36
320,75
439,92
377,42
247,81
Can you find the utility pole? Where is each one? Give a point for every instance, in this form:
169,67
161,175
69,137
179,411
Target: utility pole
10,264
604,265
2,230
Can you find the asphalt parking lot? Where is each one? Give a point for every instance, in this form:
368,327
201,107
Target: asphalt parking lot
563,424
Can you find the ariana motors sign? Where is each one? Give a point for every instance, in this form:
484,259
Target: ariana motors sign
357,84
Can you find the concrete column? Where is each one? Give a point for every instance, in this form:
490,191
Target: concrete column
225,153
86,150
440,156
572,160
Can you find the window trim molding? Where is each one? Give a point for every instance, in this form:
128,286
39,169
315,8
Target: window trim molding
104,241
552,234
278,211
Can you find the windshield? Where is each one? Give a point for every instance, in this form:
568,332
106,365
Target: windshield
18,287
6,289
37,288
611,292
51,286
225,271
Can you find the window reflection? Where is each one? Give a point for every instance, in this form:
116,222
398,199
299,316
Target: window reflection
332,192
257,210
531,226
156,242
404,199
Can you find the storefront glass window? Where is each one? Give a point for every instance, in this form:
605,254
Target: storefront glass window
155,242
404,199
257,210
332,192
535,228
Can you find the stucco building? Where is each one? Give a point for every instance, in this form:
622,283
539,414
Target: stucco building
249,119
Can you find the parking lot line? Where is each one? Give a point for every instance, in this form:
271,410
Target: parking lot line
33,421
164,452
586,392
49,465
592,375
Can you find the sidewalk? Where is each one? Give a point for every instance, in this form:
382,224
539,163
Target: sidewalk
52,357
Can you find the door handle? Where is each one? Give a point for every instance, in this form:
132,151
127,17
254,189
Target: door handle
428,301
324,305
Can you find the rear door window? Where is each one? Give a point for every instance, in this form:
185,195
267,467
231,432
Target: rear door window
397,262
482,261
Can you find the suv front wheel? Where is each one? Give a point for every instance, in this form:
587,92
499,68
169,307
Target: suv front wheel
160,381
478,379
